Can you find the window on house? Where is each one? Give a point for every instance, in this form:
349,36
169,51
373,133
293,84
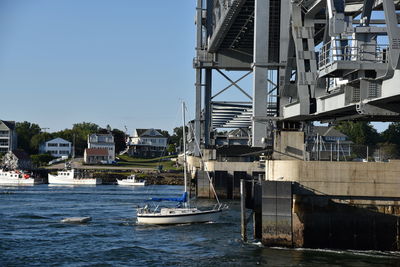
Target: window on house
52,144
4,142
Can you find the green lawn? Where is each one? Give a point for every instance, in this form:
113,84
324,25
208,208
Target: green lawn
127,161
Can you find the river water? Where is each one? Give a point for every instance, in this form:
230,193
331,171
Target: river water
31,233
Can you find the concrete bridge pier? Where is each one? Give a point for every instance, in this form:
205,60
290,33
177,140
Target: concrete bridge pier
339,205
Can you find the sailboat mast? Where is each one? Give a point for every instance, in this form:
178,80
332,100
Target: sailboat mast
184,145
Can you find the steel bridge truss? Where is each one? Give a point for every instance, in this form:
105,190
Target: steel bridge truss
311,60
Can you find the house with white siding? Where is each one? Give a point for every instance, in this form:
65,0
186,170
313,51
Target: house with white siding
147,143
56,147
103,141
8,136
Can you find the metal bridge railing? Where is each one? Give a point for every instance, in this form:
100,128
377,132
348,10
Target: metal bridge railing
348,50
319,150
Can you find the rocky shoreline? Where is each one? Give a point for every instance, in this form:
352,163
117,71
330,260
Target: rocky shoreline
151,178
111,176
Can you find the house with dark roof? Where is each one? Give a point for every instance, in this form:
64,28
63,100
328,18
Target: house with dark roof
147,143
8,136
326,143
17,160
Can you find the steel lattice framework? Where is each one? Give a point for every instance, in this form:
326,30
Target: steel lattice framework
330,60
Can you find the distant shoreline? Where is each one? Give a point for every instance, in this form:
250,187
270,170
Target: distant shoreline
110,175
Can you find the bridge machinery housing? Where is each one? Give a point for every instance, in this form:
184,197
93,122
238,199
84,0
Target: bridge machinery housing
311,60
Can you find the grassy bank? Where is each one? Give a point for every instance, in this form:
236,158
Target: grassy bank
165,162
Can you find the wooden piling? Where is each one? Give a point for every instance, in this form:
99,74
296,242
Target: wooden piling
243,216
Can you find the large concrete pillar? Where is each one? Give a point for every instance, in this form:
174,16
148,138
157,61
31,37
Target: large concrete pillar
260,69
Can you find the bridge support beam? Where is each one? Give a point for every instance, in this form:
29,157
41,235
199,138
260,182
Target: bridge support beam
260,70
207,106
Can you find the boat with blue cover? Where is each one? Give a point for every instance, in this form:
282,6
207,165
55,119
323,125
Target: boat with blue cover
183,212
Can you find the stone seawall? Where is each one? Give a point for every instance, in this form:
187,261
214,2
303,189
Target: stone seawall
111,176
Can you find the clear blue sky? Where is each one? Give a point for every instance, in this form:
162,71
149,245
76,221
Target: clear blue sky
117,62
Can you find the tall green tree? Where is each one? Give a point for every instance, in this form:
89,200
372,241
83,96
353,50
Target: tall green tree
78,135
119,139
176,137
360,132
81,132
392,134
38,139
25,131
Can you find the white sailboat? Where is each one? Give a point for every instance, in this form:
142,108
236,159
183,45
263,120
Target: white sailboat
183,212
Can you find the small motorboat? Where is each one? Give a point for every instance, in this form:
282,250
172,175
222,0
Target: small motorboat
131,180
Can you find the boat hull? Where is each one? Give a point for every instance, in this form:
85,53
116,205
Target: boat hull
55,180
195,217
122,182
19,181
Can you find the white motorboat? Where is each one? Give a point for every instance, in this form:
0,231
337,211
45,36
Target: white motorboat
72,177
16,177
131,180
183,212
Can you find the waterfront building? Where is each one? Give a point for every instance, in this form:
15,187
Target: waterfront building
234,137
147,143
56,147
17,160
324,142
96,156
103,141
8,136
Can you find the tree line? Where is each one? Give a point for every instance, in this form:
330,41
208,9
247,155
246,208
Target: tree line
31,135
364,133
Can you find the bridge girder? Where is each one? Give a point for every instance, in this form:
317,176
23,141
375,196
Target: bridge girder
330,60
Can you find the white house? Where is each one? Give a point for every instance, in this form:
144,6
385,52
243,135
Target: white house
57,147
103,141
147,143
8,136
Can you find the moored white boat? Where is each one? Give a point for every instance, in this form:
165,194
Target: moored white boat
131,180
72,177
16,177
183,212
178,215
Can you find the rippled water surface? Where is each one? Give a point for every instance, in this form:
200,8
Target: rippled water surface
31,233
